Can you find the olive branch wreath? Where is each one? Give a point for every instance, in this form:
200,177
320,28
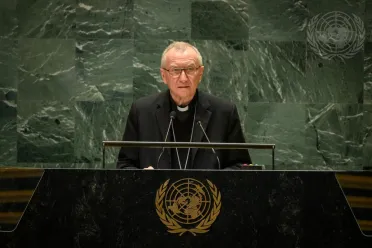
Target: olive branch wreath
357,45
173,226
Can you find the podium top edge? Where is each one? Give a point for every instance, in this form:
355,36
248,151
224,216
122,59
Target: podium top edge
153,144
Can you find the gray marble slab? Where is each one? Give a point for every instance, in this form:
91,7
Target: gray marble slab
45,131
218,20
8,69
8,19
336,80
281,124
8,132
225,69
277,72
367,135
46,18
368,73
316,136
277,20
334,135
104,19
162,19
94,123
47,70
368,20
320,6
104,67
146,67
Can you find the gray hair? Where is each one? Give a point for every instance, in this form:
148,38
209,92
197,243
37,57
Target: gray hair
180,46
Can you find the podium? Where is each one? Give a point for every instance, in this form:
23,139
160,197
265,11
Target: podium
173,208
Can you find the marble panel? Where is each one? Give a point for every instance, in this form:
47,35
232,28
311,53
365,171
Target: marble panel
320,6
272,20
368,73
277,72
96,122
368,20
45,132
336,80
279,124
47,70
334,135
8,132
217,20
225,69
367,136
8,19
104,19
104,67
8,69
162,19
46,18
146,67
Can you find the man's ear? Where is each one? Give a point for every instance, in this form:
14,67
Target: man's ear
163,76
201,72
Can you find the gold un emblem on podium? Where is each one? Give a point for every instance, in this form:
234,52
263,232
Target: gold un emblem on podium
188,205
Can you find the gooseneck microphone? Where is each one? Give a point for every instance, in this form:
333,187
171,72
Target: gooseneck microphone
172,116
206,136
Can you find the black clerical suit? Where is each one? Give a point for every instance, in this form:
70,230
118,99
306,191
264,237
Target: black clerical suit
148,120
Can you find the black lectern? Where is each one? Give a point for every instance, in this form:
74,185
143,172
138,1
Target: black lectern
165,208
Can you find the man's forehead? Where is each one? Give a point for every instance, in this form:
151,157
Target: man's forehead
187,56
186,62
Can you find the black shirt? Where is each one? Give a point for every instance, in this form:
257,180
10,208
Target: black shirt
182,124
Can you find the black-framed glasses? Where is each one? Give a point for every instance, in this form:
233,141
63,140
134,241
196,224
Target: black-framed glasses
190,71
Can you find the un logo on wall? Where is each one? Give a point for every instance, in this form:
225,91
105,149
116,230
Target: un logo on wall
336,34
188,206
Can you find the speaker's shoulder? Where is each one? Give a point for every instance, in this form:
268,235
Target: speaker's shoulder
217,102
150,100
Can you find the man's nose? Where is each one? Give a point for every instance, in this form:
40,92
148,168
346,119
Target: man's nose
183,76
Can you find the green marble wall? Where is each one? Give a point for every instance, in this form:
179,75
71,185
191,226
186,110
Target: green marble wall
70,69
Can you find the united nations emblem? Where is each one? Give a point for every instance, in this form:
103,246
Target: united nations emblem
188,206
336,34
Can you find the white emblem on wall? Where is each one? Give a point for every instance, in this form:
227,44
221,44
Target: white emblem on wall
336,34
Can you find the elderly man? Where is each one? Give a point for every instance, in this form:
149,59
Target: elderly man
194,112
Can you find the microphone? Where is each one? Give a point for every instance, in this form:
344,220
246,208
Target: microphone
172,116
205,134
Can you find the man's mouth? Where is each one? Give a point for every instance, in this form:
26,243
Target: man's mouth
183,87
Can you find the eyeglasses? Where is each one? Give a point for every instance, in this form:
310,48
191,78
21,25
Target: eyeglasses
190,71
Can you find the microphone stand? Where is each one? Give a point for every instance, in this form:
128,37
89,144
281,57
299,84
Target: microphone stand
172,116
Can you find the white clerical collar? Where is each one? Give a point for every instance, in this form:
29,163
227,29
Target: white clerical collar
183,109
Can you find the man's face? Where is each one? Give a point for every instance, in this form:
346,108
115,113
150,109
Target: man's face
182,73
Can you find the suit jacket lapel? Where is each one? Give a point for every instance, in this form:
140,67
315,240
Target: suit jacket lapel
162,118
203,115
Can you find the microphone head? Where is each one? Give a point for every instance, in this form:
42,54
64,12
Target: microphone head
173,115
